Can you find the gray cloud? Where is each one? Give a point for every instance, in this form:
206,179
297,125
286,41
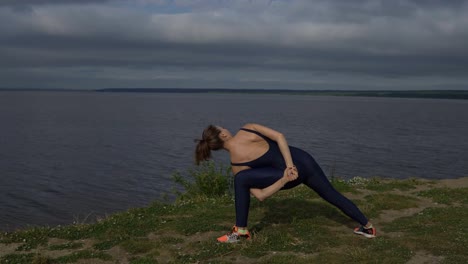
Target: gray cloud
40,2
412,41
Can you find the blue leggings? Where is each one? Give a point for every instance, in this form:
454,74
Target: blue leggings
310,174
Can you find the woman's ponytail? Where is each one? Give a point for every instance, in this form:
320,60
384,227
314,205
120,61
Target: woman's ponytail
202,151
210,141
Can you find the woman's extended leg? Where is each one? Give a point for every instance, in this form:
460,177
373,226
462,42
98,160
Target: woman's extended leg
313,176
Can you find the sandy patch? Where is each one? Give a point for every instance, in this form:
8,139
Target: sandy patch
95,261
6,249
422,257
118,254
455,183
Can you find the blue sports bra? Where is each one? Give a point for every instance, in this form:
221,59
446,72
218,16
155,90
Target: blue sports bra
272,157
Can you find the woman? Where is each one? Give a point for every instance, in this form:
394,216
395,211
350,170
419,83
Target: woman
263,164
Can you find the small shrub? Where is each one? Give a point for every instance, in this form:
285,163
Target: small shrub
208,180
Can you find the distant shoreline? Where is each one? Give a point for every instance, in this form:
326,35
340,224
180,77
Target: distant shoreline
432,94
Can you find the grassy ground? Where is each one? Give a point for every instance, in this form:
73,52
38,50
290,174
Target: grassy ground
417,221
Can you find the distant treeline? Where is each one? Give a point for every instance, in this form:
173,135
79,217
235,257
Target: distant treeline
441,94
444,94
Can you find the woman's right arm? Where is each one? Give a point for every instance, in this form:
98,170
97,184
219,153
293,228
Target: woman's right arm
290,174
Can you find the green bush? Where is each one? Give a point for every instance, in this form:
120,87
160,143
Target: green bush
206,180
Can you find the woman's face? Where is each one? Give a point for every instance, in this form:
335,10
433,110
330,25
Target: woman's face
224,132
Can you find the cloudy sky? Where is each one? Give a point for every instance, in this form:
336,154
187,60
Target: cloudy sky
278,44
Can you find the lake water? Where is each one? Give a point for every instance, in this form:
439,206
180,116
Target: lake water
75,156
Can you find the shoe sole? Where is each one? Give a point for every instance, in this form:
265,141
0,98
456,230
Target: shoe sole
234,241
364,234
228,242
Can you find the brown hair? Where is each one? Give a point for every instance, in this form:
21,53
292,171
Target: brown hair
210,141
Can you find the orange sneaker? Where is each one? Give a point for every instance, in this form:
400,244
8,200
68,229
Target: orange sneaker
233,236
367,232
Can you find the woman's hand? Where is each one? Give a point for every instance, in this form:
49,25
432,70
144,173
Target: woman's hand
290,174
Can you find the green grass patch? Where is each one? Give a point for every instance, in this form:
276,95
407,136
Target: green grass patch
167,240
289,210
143,260
311,237
272,239
380,185
30,238
135,222
300,192
107,244
285,258
344,186
201,251
379,250
83,254
18,258
447,195
441,231
139,246
208,212
204,223
374,184
374,204
109,232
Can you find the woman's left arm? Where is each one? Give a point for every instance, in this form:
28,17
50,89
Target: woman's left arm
278,137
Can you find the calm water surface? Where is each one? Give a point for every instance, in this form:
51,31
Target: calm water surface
71,156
